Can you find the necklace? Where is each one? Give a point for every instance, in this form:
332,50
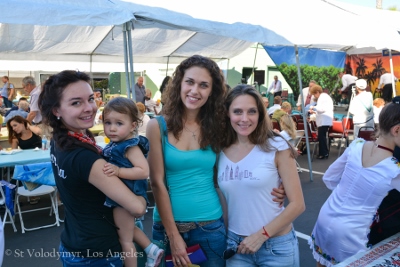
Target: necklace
193,132
384,148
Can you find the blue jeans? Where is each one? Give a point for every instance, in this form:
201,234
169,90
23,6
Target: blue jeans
210,237
70,260
7,103
280,251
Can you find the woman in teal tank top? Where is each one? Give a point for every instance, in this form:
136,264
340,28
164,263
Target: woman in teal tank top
189,211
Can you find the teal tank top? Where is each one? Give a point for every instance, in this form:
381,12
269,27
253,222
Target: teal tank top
189,177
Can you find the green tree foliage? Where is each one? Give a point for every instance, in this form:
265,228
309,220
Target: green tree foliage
326,77
101,84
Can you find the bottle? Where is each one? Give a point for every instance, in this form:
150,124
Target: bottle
44,142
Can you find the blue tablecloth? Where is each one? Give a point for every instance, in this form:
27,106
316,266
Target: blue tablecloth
27,156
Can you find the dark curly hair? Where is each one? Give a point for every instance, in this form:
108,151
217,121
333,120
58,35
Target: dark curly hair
263,131
211,115
49,100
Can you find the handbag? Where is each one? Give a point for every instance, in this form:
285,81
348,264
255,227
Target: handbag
195,253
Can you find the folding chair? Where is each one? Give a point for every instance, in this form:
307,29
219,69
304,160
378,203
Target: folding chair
275,124
367,133
3,201
337,131
38,180
348,126
312,136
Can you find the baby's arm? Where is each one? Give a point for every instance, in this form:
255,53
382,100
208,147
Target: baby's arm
138,172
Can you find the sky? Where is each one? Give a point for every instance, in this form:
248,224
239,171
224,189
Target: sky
372,3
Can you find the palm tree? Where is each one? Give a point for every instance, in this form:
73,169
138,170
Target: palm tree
369,76
378,68
361,67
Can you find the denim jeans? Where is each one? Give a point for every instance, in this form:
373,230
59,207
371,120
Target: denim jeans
69,260
280,251
210,237
7,103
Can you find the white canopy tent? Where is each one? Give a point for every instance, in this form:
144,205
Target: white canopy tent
76,30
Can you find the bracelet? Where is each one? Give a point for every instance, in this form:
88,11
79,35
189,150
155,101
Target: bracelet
266,233
118,172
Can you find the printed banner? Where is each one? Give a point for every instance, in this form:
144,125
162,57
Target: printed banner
371,67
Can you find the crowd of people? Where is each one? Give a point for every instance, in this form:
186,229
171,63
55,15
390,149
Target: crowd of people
246,168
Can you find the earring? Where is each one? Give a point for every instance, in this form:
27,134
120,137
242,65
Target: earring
58,117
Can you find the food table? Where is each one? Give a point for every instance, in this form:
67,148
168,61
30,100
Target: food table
9,159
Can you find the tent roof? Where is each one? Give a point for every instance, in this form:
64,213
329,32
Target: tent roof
92,30
381,18
306,23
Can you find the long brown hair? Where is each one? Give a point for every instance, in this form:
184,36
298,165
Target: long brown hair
263,131
11,133
211,115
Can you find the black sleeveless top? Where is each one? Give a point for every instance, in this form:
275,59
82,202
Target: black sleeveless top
31,143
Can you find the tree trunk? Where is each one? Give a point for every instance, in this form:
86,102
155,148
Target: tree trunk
379,4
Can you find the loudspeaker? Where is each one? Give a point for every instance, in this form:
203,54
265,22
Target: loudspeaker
259,76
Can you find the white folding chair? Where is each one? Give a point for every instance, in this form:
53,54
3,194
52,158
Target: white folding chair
42,176
7,213
40,191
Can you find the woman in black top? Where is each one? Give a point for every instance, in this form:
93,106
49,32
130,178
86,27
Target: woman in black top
22,134
90,236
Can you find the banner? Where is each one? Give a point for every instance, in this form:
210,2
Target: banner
371,67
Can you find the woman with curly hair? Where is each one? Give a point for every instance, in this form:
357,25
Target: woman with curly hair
188,210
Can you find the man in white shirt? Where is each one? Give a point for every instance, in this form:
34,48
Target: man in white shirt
348,81
277,105
385,84
29,84
276,85
361,107
307,96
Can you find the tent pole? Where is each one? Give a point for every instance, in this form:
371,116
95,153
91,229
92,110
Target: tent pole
296,51
126,62
392,70
91,73
254,64
166,71
132,85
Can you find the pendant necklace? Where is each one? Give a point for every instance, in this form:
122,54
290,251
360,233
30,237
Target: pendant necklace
193,132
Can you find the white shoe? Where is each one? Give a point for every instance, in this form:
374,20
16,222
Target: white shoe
155,256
